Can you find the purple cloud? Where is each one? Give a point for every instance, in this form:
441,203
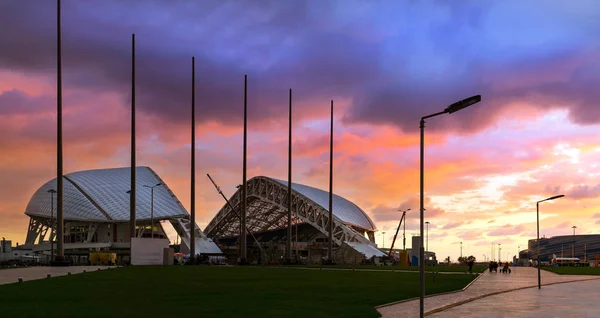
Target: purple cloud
393,69
584,191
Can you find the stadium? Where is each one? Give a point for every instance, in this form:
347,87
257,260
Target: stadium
267,204
96,214
586,247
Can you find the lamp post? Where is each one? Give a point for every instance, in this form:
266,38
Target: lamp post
52,192
427,234
499,252
573,251
537,208
152,208
383,234
449,110
460,249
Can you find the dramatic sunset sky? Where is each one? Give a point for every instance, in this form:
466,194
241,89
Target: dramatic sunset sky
535,134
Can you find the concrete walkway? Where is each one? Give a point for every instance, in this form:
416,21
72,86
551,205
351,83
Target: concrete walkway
577,299
487,284
12,275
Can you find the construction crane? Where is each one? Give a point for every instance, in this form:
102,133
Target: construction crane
397,230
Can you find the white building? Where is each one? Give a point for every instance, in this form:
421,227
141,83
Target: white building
96,214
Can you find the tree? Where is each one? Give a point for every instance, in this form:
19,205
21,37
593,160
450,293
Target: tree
464,260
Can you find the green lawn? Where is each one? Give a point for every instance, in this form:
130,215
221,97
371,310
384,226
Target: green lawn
199,291
574,270
441,268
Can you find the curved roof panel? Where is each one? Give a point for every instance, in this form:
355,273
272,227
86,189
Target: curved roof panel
343,209
76,204
102,195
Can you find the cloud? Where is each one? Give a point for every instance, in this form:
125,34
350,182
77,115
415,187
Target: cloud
16,102
452,225
507,229
584,191
349,54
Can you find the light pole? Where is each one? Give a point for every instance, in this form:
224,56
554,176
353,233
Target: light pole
383,234
460,249
52,192
152,209
427,242
518,254
449,110
499,252
573,251
537,208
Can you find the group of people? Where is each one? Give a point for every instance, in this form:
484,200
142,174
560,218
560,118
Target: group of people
494,267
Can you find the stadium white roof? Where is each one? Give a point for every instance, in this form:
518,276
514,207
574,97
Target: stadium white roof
343,209
101,195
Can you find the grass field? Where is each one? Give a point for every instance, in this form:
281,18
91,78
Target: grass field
442,268
217,292
565,270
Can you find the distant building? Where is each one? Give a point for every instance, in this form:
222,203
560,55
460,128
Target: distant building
5,246
523,258
585,247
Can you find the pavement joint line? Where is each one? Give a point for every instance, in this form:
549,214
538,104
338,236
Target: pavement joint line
432,295
462,302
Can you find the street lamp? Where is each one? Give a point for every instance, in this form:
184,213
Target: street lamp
499,252
573,251
427,242
52,192
460,249
537,208
152,206
449,110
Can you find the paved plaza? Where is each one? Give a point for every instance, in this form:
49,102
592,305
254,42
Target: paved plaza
12,275
489,284
577,299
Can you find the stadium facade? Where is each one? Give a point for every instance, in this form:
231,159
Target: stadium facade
96,214
584,247
267,207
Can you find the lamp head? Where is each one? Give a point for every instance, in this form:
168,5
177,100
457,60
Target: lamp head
463,104
552,198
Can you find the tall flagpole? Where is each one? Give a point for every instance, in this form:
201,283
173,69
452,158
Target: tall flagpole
288,251
133,177
330,250
193,172
60,251
244,192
